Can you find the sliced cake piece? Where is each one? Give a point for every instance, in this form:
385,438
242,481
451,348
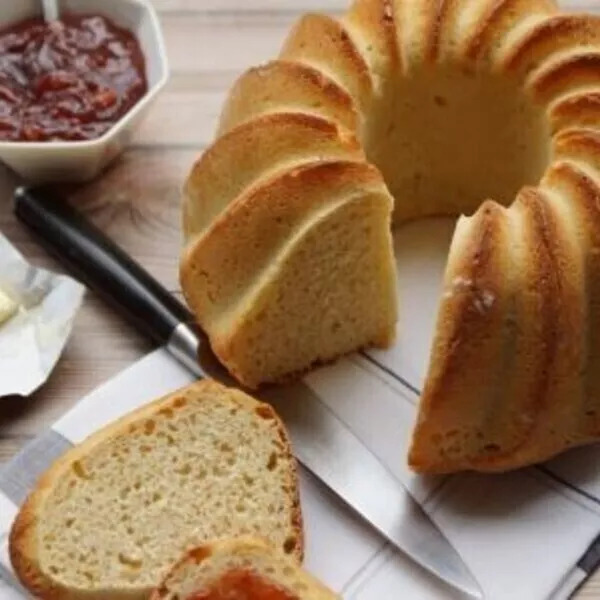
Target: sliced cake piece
242,569
111,516
316,284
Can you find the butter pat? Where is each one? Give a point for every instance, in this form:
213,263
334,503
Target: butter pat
8,307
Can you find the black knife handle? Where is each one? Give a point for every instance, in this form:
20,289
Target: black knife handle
101,264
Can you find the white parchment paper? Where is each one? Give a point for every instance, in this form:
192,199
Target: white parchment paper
32,341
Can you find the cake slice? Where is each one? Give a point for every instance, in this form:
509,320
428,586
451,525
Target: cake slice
317,284
242,568
111,516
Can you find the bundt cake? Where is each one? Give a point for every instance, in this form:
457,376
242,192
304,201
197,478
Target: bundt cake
487,108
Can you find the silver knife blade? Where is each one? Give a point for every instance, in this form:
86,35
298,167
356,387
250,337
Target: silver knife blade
327,448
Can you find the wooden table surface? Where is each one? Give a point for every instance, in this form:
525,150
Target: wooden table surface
137,200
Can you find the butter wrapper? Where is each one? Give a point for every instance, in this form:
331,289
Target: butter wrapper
32,340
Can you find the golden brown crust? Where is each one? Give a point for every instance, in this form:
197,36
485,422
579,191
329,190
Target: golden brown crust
22,545
253,151
499,17
542,251
578,110
555,282
416,29
567,178
565,75
444,30
441,20
22,553
549,37
375,21
580,145
446,435
297,86
317,36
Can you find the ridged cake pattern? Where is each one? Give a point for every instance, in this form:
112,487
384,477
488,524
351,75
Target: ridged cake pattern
454,102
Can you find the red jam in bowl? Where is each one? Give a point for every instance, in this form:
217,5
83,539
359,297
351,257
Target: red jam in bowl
67,80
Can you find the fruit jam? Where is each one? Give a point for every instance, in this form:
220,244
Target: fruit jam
70,79
241,584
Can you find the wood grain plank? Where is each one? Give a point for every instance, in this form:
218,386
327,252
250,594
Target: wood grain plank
183,116
295,6
279,6
206,54
136,202
223,42
590,590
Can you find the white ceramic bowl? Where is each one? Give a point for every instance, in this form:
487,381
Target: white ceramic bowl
83,160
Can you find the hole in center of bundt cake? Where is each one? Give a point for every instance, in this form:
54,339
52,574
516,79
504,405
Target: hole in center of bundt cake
446,140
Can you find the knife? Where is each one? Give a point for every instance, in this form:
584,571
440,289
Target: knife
321,442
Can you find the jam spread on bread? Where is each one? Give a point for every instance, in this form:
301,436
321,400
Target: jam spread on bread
67,80
242,584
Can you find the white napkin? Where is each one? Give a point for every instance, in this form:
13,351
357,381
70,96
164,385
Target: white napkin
527,535
32,340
